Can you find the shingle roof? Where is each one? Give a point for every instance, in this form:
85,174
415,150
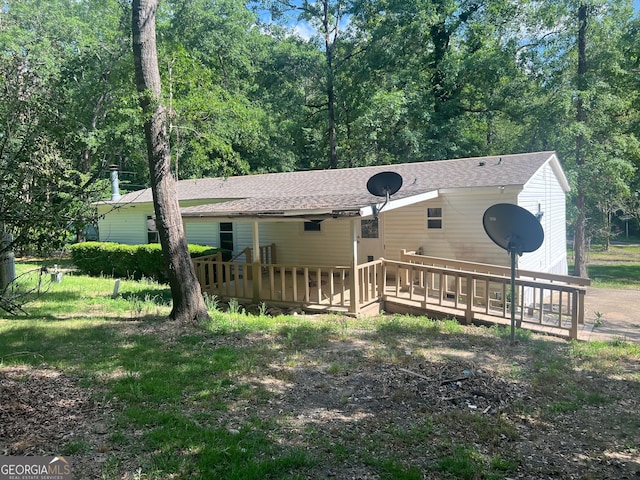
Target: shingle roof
343,189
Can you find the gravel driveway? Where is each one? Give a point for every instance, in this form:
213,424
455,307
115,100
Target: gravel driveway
619,315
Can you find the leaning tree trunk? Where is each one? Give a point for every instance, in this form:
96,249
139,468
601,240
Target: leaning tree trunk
188,304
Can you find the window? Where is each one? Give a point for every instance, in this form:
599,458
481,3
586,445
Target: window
434,218
313,226
369,228
152,231
226,236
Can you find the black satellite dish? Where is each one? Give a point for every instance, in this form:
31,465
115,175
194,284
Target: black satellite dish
513,228
517,231
383,184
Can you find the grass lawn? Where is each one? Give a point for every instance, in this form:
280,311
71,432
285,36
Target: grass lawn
619,267
127,394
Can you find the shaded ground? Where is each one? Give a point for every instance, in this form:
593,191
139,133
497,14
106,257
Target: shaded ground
45,412
351,400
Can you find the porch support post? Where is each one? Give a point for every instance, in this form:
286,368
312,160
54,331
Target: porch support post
353,277
257,275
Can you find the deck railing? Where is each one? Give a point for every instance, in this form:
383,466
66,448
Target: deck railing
476,296
468,291
278,283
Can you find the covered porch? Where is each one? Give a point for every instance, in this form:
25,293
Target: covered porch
417,284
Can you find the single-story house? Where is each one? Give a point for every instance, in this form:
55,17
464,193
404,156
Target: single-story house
328,217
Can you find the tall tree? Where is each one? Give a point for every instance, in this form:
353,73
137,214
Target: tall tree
444,70
586,81
580,265
188,303
326,17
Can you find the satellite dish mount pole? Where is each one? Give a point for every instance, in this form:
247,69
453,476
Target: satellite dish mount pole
513,253
515,230
377,210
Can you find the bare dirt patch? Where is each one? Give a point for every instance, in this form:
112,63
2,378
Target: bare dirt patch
45,412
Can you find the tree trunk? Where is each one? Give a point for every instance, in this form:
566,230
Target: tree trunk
580,265
329,43
188,303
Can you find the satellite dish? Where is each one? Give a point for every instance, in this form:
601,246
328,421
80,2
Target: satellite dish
516,230
383,184
513,228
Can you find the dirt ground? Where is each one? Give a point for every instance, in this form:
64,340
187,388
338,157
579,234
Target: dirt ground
611,315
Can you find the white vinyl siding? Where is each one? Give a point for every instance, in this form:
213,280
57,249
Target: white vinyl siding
125,224
545,191
330,246
206,231
202,231
462,236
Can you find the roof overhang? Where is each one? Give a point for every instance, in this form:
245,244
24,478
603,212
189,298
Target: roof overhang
294,215
370,210
334,212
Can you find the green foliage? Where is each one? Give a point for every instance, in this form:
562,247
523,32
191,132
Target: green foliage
128,261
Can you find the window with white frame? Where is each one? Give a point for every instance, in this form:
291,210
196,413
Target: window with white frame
369,228
434,218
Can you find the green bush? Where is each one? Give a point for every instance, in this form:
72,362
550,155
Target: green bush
128,261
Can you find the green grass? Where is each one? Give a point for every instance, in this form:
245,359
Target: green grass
618,267
209,401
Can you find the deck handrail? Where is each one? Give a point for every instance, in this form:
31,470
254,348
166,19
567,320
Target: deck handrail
282,283
267,254
413,257
431,285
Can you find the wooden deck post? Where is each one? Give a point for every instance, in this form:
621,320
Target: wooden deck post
354,282
256,267
468,316
575,314
581,294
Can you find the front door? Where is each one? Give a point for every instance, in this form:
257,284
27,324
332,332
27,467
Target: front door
370,244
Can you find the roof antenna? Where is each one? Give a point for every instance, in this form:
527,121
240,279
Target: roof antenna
383,184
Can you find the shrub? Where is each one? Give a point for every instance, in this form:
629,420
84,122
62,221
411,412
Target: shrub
129,261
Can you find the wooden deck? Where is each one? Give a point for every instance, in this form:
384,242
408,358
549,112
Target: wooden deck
472,293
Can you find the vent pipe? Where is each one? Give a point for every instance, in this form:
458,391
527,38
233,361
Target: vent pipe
115,184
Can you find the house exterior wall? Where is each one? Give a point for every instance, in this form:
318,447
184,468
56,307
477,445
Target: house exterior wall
203,231
127,224
462,235
330,246
544,191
